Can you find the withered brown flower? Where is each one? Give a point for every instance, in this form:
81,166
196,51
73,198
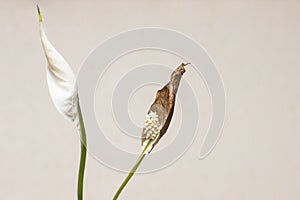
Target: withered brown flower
161,111
157,120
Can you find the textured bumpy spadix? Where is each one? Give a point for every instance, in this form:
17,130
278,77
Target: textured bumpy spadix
60,78
151,130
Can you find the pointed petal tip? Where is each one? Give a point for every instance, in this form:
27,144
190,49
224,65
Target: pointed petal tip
185,64
181,68
39,13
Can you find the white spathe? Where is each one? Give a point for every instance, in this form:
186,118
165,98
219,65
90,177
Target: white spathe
61,80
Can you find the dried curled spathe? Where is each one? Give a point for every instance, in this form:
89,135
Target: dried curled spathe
161,111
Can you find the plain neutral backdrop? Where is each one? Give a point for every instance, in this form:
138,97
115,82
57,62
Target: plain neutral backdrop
256,45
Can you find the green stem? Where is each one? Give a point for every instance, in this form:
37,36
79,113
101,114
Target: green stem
82,155
132,171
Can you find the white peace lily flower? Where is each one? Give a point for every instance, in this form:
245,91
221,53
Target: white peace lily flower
63,91
61,79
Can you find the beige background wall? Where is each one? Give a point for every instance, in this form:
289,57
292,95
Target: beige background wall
256,47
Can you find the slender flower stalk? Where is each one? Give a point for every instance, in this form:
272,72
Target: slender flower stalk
132,171
63,92
82,155
157,120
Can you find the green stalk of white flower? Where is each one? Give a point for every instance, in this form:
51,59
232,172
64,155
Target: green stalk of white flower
63,91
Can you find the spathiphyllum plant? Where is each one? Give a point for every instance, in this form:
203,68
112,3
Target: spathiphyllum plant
64,94
63,91
157,120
